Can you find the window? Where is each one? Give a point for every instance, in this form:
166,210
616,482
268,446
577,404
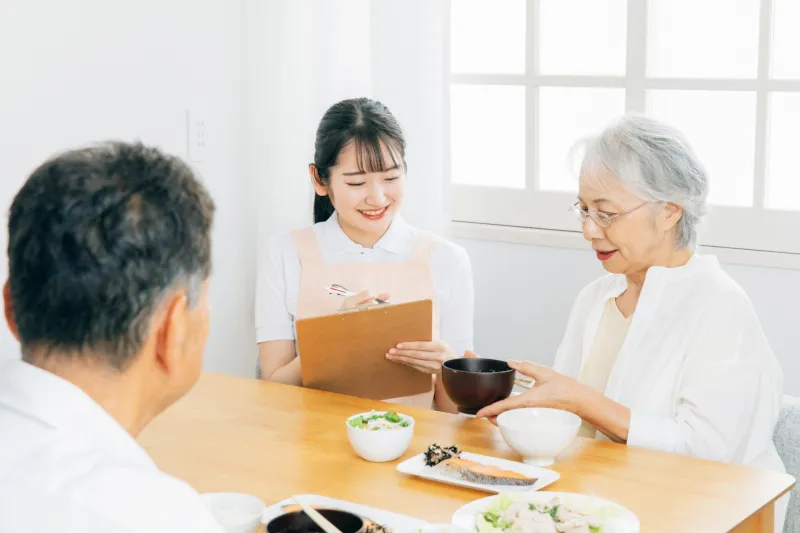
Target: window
529,78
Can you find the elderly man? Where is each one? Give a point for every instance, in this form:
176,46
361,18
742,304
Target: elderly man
109,258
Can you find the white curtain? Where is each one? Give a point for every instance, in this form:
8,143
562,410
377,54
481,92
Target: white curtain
304,55
408,75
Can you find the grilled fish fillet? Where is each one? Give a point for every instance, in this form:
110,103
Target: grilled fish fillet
479,473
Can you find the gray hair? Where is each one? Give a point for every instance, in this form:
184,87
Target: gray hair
96,238
656,163
194,289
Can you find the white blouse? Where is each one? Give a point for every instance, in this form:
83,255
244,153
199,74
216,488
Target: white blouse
695,368
279,272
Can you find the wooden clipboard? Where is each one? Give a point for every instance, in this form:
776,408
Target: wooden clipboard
346,352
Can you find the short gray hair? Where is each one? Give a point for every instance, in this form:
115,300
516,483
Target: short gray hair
96,237
194,290
655,162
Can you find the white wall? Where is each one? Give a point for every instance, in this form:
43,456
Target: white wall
408,75
77,71
302,56
523,295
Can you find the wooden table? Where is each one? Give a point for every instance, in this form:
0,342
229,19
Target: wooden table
242,435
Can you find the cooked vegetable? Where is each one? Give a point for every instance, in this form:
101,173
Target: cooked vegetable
376,421
555,516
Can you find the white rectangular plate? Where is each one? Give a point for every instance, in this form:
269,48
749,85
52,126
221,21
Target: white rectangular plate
416,467
399,523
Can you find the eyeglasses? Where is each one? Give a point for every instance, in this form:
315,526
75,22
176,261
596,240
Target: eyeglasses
603,220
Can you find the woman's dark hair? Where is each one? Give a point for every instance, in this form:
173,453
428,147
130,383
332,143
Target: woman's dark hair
367,123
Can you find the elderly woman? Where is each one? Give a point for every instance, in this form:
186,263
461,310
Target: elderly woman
666,352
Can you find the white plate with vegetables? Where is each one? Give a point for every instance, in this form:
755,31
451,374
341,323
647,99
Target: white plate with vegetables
545,512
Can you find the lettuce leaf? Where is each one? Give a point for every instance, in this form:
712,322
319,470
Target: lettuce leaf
393,417
357,422
490,520
485,526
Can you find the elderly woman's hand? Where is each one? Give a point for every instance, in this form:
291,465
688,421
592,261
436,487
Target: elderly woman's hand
550,389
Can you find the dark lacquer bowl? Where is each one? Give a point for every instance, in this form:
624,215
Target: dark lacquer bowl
299,522
474,383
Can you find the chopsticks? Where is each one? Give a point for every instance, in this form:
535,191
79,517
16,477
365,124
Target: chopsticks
320,520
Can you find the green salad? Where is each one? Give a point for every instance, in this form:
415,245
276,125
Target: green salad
507,515
376,421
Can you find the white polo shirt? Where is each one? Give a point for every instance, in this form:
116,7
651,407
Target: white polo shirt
279,274
66,465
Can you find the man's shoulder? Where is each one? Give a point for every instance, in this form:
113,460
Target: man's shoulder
101,494
149,499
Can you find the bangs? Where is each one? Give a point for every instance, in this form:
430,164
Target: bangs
371,156
594,166
597,162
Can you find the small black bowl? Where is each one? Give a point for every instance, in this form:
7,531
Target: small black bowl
300,522
474,383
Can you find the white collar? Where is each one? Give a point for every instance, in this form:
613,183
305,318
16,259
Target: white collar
696,263
396,240
659,274
64,406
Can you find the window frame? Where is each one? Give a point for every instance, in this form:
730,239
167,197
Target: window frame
750,229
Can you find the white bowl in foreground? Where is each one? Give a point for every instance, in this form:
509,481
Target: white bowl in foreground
382,445
235,512
538,434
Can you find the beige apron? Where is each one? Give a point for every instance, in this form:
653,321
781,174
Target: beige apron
405,282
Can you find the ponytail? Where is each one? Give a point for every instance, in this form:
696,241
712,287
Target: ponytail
323,208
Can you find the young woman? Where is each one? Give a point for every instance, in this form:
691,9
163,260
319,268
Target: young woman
360,240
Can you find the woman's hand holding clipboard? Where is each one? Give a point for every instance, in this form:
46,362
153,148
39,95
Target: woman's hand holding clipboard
423,356
345,352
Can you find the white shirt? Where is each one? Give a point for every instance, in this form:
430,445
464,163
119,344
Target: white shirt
695,368
66,465
279,274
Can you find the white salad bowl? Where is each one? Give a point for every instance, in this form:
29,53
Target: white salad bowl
382,445
538,434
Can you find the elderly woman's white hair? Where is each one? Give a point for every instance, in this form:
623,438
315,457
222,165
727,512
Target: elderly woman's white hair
656,163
